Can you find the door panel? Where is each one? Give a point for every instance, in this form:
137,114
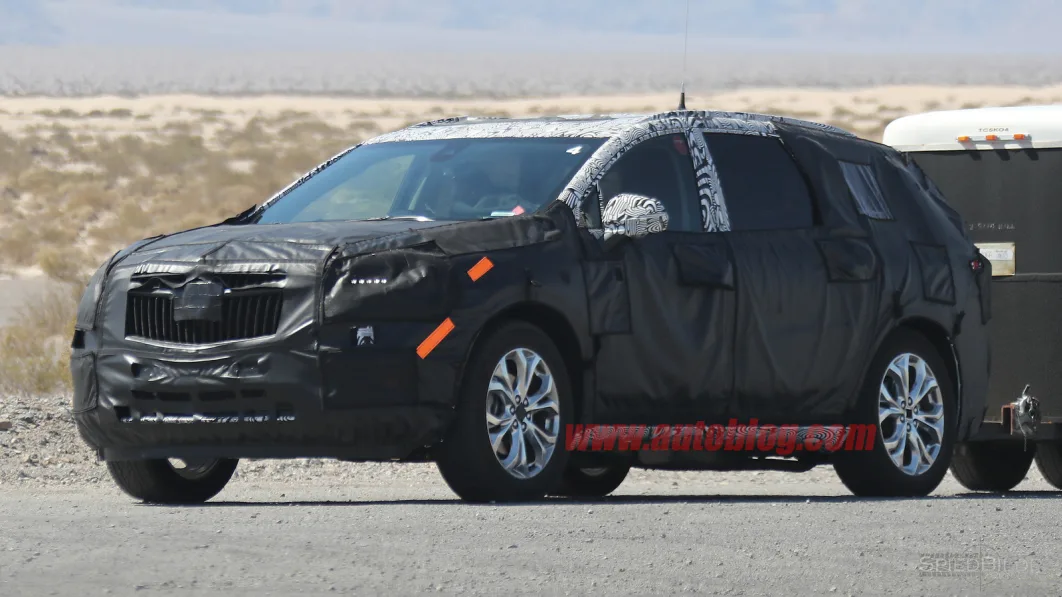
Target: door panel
786,350
676,365
806,301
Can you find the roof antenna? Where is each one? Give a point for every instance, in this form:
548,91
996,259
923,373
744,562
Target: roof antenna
685,53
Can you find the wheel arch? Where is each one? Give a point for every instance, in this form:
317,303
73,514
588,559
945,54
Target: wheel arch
938,336
555,325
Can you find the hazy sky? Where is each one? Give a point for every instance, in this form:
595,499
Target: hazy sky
540,25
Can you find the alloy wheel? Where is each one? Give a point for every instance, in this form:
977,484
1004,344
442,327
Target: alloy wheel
911,414
523,413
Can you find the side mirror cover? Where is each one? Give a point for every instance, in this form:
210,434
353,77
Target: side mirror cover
633,216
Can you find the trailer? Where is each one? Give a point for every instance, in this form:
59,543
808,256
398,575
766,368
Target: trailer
1001,169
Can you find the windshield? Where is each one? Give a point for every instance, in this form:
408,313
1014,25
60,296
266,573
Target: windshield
453,179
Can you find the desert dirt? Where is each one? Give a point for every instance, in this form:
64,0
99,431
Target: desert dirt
852,105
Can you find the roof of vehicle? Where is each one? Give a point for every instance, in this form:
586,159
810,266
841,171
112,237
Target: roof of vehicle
586,125
980,129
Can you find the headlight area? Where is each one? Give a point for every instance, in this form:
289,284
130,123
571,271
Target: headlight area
395,285
377,308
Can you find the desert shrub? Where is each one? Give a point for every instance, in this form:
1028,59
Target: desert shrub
792,113
18,245
69,266
842,112
366,127
34,350
92,197
15,155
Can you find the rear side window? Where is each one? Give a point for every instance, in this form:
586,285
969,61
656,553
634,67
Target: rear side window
762,186
866,190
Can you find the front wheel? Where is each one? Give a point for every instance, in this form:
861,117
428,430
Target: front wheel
991,466
908,396
505,443
172,481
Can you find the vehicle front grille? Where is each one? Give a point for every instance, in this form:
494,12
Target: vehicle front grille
245,315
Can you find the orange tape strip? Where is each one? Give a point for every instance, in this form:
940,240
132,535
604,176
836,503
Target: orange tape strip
435,338
480,269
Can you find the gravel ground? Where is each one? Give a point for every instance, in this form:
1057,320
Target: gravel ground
310,526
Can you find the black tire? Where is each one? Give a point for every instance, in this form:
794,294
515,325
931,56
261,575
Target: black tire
1049,461
465,457
872,473
591,482
159,482
991,466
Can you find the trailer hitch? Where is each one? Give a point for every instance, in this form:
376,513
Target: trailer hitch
1022,415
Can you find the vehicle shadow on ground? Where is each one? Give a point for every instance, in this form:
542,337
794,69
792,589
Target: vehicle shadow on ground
648,499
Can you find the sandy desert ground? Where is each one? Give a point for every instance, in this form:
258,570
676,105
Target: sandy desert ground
853,107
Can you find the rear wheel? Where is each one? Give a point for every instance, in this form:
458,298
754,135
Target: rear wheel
505,441
172,481
592,482
1049,461
908,396
991,466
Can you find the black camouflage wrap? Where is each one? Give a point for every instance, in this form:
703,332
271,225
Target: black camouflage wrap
675,327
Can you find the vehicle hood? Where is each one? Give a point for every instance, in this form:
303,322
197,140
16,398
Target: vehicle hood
304,249
273,242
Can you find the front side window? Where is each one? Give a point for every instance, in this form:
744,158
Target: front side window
762,186
660,168
456,179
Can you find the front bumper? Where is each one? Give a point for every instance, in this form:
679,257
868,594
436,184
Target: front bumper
257,402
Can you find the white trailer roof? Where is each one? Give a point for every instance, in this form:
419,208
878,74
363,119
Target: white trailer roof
979,129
